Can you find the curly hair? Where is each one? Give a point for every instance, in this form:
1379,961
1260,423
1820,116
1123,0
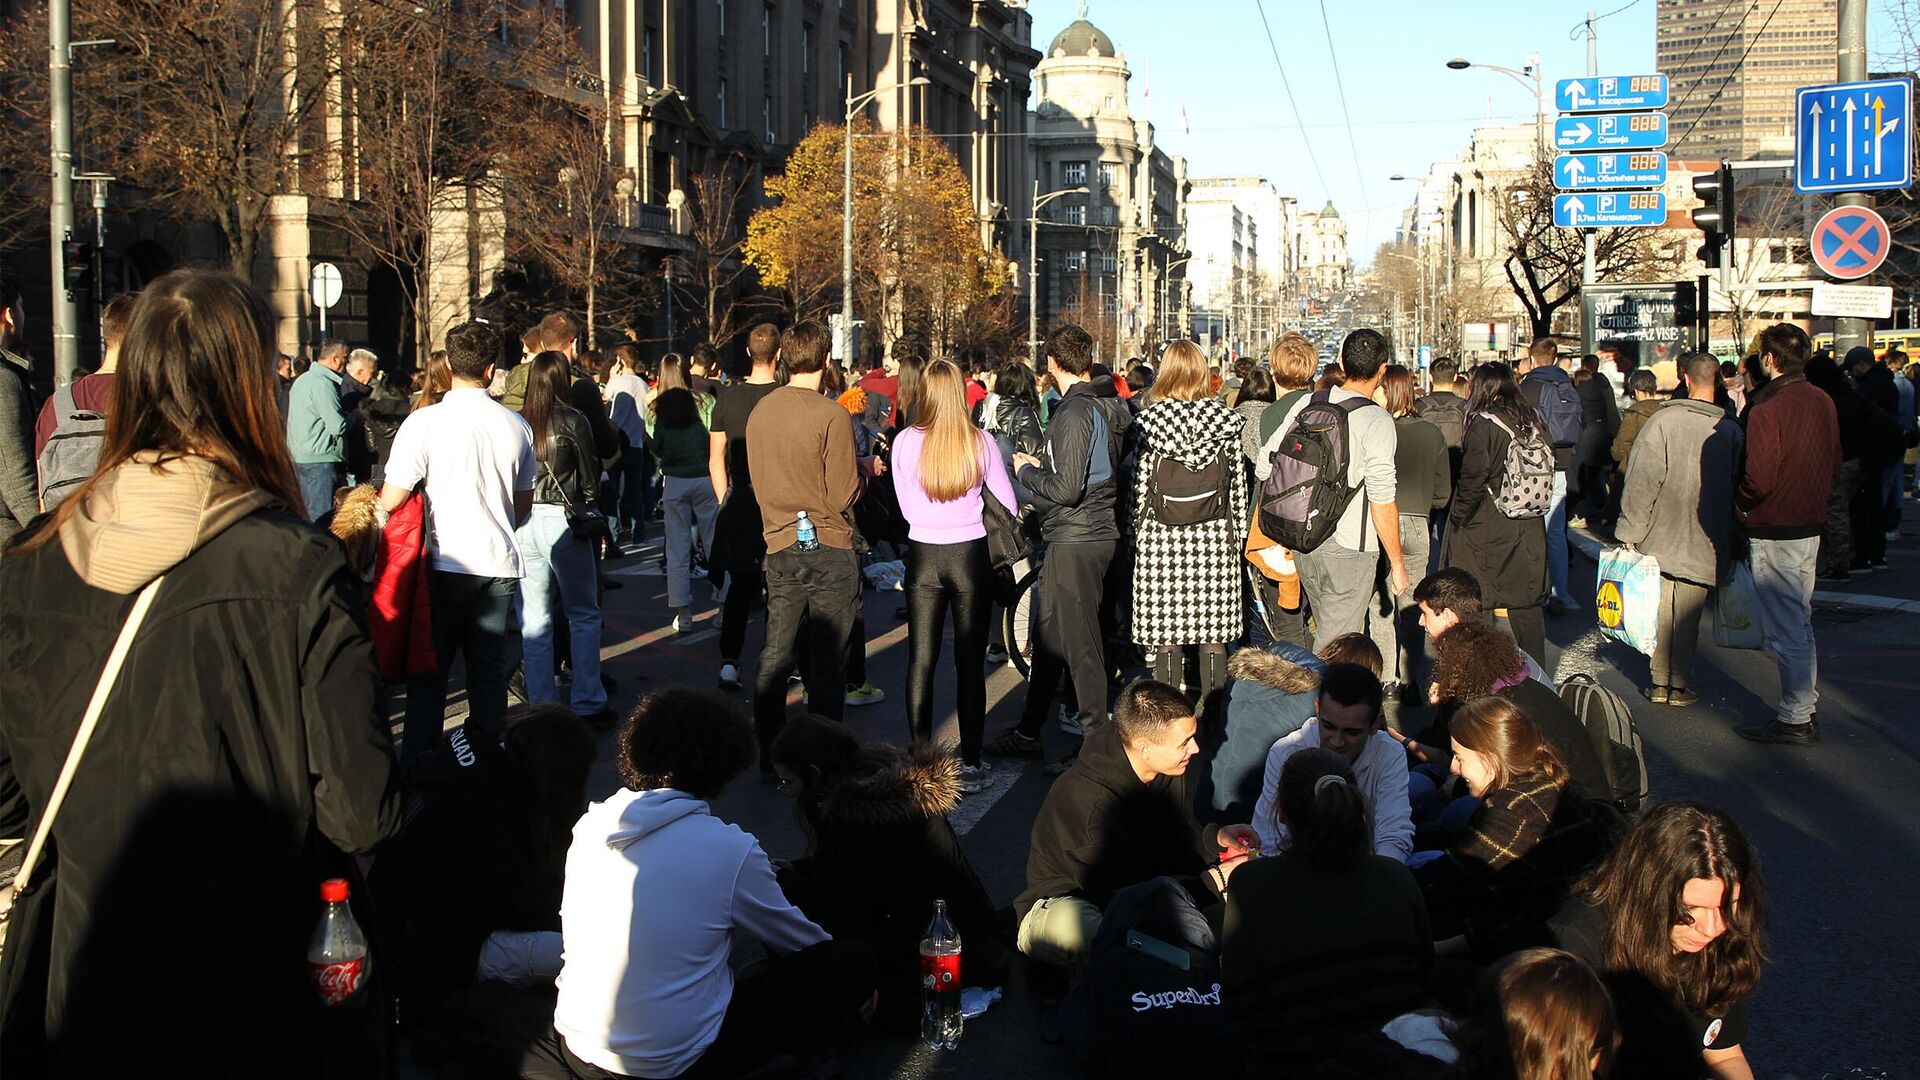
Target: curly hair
1473,658
690,740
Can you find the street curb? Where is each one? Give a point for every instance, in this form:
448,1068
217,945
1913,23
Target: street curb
1590,545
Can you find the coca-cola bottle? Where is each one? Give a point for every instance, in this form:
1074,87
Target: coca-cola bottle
940,1020
338,955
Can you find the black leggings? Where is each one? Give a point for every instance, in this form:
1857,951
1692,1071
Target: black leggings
940,576
1170,667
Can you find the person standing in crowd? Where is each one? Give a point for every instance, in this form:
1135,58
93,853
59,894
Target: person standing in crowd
806,477
317,430
1076,491
944,469
1298,924
253,657
1793,456
1187,581
1506,556
19,487
1599,423
630,495
1445,409
1676,921
1350,722
1840,556
553,556
1678,508
1291,362
435,380
1011,414
92,392
1546,386
385,410
476,459
1423,485
1255,397
357,381
1644,388
739,543
678,428
1338,577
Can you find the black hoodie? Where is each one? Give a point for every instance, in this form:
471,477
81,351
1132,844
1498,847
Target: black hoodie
1101,830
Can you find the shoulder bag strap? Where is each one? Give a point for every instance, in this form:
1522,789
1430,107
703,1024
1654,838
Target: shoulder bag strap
95,705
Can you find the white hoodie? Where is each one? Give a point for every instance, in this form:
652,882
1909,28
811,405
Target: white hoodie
655,885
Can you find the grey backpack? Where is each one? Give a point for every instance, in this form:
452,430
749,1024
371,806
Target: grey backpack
73,450
1524,488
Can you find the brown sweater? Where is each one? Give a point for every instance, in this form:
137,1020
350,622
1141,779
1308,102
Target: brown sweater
801,457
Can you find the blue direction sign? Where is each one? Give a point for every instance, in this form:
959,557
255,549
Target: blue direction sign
1854,136
1628,209
1610,172
1611,93
1620,131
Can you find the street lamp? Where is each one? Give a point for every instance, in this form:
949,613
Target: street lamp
846,195
1033,265
1529,77
1166,277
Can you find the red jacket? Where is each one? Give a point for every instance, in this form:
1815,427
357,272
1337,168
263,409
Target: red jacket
1793,455
400,617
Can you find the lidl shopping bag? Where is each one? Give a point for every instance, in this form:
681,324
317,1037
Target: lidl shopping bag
1628,599
1736,611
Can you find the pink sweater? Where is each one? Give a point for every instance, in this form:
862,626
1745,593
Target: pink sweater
954,522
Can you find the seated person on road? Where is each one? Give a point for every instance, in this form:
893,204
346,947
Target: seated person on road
1325,940
1533,837
1120,815
656,888
1675,920
879,853
1349,721
1451,596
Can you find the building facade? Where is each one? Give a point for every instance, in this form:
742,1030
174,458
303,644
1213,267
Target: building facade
1246,256
1732,78
1325,268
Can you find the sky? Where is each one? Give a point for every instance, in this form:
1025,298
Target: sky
1407,108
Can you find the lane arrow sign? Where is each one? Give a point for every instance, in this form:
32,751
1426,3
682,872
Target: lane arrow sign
1816,138
1847,135
1580,132
1572,206
1575,92
1574,170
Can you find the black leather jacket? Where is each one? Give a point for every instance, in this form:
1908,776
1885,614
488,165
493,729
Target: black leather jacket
569,468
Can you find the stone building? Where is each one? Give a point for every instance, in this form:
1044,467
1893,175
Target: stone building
1325,268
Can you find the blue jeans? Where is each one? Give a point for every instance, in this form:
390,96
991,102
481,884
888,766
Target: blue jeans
690,510
1557,541
1783,583
318,481
554,557
471,615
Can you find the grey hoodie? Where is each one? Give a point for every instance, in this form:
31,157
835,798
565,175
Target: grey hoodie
1678,501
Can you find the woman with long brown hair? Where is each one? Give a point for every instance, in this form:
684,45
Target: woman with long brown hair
553,553
244,733
1507,556
944,469
1540,1014
678,420
1676,920
435,380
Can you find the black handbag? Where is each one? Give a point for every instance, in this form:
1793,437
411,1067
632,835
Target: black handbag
1007,542
585,522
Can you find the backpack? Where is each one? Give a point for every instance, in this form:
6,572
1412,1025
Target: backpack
1526,476
1307,491
1177,495
1449,414
1609,724
1559,408
73,450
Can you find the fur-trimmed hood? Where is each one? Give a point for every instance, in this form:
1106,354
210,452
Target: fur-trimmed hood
1261,666
922,784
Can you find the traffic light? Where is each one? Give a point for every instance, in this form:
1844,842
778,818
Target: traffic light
1714,218
1686,305
76,262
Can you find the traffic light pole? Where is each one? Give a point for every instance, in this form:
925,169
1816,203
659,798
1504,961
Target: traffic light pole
1852,44
63,313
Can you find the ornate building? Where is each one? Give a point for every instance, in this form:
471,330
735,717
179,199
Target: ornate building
1321,240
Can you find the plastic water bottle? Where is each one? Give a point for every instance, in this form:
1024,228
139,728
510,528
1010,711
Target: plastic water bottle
338,955
940,1019
804,536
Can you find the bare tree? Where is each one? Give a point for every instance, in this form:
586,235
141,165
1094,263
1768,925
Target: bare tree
719,287
1543,261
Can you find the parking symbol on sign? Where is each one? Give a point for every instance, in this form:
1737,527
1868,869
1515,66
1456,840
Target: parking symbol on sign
1609,87
1606,204
1609,125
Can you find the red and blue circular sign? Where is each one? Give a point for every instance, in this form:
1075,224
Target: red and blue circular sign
1850,242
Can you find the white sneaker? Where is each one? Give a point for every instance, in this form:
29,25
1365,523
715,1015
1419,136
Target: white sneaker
975,778
682,622
729,677
1070,723
720,590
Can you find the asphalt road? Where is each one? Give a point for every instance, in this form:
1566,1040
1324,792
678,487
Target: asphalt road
1834,825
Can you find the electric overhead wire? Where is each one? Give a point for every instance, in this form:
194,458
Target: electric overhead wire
1574,34
1353,142
1718,90
1299,121
1752,6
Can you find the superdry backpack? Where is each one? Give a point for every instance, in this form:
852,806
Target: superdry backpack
1307,491
72,452
1610,726
1177,495
1525,485
1559,408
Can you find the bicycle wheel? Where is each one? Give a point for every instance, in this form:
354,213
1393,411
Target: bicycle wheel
1018,626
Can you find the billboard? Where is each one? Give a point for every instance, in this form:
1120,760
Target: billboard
1643,323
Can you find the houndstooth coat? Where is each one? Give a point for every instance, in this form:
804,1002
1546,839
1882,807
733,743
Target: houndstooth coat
1186,579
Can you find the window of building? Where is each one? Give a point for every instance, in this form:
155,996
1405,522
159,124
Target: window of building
1109,214
720,18
766,31
1074,262
766,118
721,94
1109,175
1107,262
1075,214
1073,173
646,57
806,50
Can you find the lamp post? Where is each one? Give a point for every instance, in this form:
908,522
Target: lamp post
1166,278
846,195
1033,266
1529,77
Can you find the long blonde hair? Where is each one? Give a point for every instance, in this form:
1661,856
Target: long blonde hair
1183,375
950,456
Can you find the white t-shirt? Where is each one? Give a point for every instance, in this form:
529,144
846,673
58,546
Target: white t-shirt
474,453
626,403
1381,774
1372,442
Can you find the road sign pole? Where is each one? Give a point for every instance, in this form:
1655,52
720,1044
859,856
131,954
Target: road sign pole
1852,45
1587,236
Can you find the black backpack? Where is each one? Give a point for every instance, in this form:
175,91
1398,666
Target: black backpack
1561,413
1448,413
1609,723
1178,495
1307,491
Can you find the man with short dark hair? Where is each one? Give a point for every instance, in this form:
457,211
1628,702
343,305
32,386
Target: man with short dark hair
806,476
477,462
1444,409
1349,722
19,483
92,392
1118,816
1449,597
1793,455
317,429
739,543
1545,384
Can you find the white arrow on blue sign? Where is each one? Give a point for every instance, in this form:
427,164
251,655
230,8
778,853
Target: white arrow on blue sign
1610,172
1853,136
1621,131
1611,93
1625,210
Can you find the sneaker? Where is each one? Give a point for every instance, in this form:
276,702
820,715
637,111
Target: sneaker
865,694
1781,734
1861,566
1576,522
1059,768
1070,723
1680,697
1893,535
729,676
1390,690
996,654
1834,577
1556,608
974,778
720,590
682,622
1015,745
1877,564
794,679
603,718
517,685
1657,694
608,584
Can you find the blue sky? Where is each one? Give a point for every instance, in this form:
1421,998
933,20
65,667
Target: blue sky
1408,109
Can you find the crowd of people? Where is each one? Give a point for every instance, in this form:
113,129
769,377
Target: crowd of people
1256,568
